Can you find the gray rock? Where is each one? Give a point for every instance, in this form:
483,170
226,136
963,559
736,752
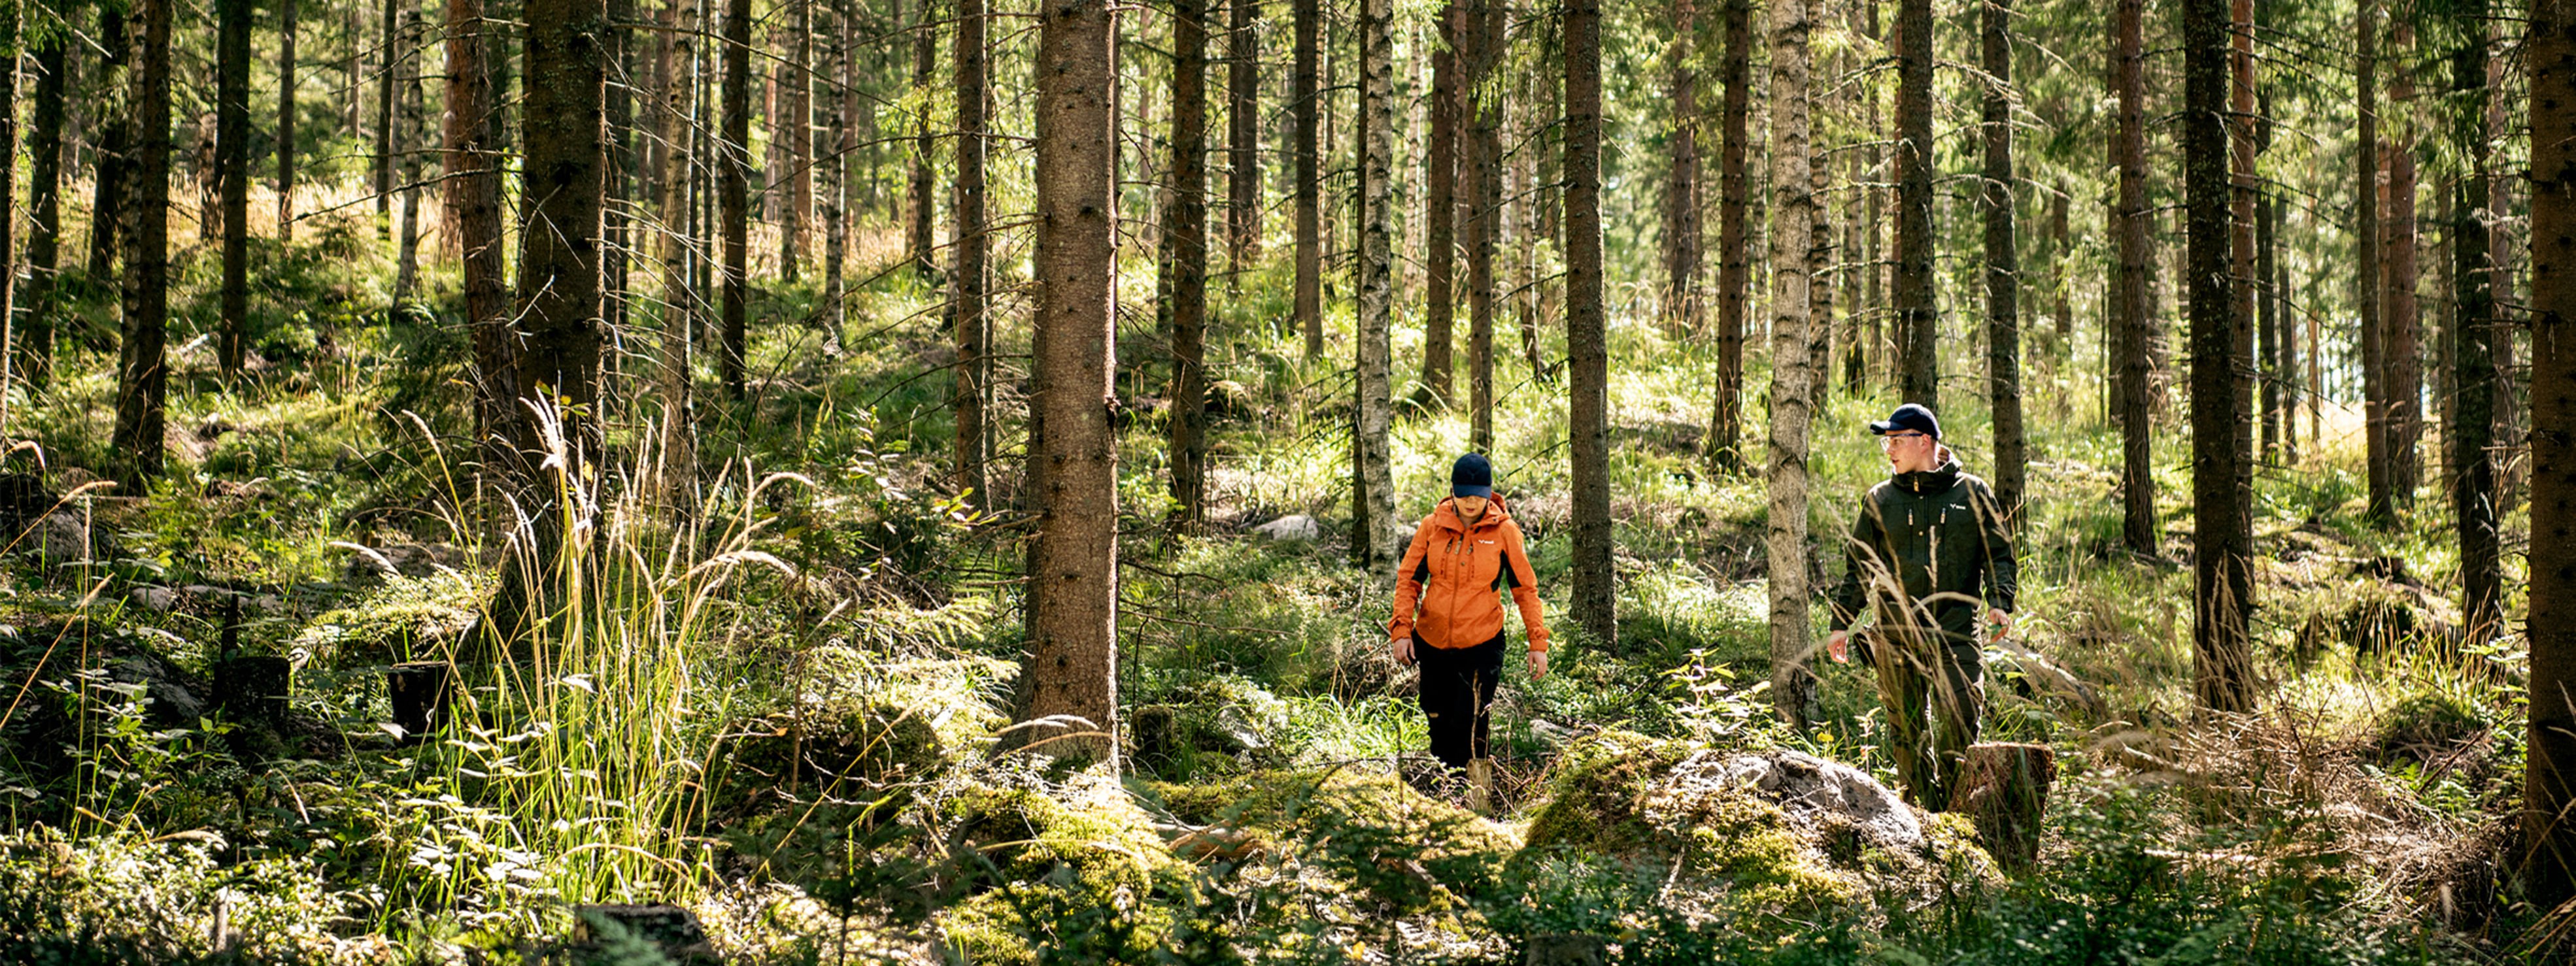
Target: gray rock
1815,792
371,564
61,538
172,702
161,599
1297,528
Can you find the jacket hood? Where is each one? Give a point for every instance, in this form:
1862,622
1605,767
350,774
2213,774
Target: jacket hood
1933,480
1446,514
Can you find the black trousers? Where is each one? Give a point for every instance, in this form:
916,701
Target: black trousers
1457,693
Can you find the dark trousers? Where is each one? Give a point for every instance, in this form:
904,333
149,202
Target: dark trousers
1457,692
1933,684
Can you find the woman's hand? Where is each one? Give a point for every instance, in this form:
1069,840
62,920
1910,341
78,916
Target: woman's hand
1403,650
1538,664
1838,646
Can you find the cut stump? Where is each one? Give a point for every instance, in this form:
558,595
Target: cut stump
2004,789
254,688
419,691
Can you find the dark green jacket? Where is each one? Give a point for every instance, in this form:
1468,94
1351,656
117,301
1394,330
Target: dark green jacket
1944,533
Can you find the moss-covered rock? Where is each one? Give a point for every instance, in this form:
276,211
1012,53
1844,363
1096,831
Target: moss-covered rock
1074,867
403,619
1372,833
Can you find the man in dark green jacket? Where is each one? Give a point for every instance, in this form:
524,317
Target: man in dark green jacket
1928,553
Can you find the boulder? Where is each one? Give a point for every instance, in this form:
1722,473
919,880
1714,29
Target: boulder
1293,528
1815,793
371,564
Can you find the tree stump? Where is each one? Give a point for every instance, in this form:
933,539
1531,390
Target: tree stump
254,688
609,933
419,691
2004,789
1565,949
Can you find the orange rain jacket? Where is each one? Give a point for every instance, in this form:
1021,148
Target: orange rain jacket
1464,570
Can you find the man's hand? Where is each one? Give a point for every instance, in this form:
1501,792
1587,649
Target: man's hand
1403,651
1538,664
2002,622
1838,646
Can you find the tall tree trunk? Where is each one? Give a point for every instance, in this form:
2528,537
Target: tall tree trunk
1874,198
1243,141
2472,430
1527,195
1372,469
1794,211
408,127
44,208
1917,315
617,205
2003,264
2267,339
232,146
835,163
2548,864
142,375
1440,211
1681,182
1308,298
2137,469
474,216
556,322
2374,367
735,146
2222,673
285,121
682,299
1484,177
925,57
2286,370
966,281
1185,225
2404,322
1072,664
796,131
1587,346
116,143
1726,421
385,93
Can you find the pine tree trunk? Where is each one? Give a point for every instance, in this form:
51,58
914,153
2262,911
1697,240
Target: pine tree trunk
734,145
2137,469
1917,315
142,375
1726,421
1793,213
2222,673
285,121
1681,182
44,209
1185,225
2473,415
925,53
1372,467
1072,664
2366,243
1308,298
1243,141
966,280
2003,265
2548,864
1440,211
1587,346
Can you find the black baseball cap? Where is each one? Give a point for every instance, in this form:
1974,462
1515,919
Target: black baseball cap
1472,475
1909,416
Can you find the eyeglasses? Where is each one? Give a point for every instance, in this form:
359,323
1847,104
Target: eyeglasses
1892,438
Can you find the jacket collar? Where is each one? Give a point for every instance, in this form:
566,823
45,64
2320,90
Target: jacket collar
1446,515
1933,480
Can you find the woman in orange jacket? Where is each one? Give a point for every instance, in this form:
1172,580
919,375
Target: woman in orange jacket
1449,609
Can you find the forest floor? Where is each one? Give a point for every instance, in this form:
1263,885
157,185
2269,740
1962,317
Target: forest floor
781,711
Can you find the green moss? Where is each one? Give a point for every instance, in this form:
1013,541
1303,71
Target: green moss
1072,867
1373,833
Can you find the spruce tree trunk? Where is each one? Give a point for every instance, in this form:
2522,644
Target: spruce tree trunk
474,216
1372,459
1587,347
1308,299
1243,141
2267,339
2137,469
385,93
925,54
1681,181
617,202
1483,138
796,132
44,210
1072,664
966,280
1917,315
1794,211
407,121
2222,672
115,144
1440,211
9,323
1726,421
735,145
142,375
285,121
2472,429
682,300
2003,264
2366,243
2548,866
557,315
2404,322
1185,227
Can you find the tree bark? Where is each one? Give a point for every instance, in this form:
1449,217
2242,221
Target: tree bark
1917,314
1483,161
44,209
232,163
1681,182
966,280
796,132
1726,421
682,301
2382,506
474,215
285,121
1587,346
2003,264
925,53
2404,326
1440,211
392,62
1308,298
1243,141
108,182
556,322
2137,469
734,145
1072,664
2267,339
1185,227
142,375
408,127
2222,672
1372,470
2473,415
1793,213
2548,864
